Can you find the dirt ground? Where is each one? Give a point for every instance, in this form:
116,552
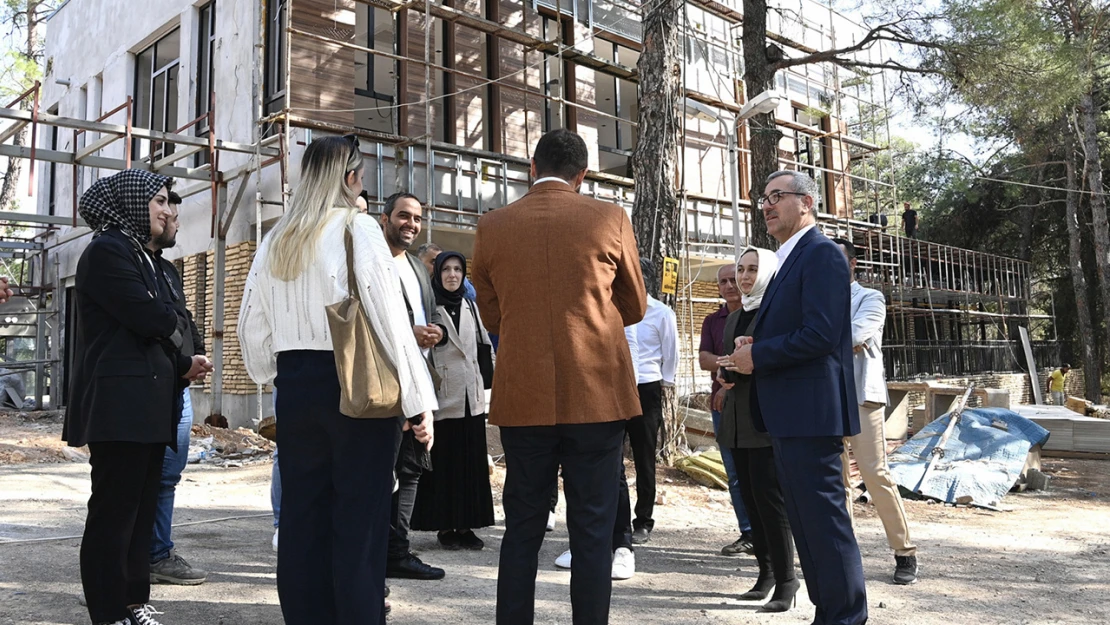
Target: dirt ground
1042,561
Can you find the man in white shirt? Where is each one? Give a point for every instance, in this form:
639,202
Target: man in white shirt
402,218
869,446
656,360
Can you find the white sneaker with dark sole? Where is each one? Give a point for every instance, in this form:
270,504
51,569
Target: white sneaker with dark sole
624,564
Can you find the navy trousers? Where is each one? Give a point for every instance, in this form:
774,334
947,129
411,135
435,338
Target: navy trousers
336,482
590,454
809,472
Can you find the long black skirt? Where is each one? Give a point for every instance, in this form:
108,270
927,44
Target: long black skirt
455,494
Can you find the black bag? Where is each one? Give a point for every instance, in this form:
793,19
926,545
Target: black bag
485,351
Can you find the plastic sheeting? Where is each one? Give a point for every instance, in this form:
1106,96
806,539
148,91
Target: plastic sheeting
983,457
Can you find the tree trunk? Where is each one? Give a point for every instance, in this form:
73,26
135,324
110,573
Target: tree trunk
30,53
1088,123
759,77
1092,369
11,175
655,216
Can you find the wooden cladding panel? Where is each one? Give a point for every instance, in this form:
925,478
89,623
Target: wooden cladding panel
521,113
470,103
416,89
322,75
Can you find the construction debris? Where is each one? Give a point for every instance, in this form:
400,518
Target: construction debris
228,448
980,462
706,468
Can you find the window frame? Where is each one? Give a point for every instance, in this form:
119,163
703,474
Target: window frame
277,64
141,106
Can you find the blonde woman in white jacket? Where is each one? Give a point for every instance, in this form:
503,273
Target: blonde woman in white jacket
336,472
454,498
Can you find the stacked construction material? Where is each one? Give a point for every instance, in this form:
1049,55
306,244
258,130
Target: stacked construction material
1070,431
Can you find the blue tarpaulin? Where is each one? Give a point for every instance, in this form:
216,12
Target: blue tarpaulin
982,461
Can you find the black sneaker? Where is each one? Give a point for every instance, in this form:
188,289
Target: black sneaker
449,540
410,567
742,546
144,615
469,540
175,570
641,535
905,572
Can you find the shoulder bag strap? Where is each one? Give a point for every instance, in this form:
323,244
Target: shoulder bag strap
352,281
477,325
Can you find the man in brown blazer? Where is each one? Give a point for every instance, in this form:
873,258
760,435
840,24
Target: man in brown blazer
558,278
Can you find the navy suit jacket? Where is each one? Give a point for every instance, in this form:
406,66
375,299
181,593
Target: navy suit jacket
804,382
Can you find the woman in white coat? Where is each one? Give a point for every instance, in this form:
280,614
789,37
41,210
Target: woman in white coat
454,498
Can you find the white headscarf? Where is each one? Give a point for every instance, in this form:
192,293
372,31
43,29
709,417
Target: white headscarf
768,265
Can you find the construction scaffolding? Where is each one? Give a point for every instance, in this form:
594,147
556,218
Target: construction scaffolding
450,96
28,259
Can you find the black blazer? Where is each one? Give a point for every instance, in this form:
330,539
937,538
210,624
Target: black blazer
127,360
737,429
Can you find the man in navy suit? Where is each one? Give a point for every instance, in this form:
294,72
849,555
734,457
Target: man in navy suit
804,393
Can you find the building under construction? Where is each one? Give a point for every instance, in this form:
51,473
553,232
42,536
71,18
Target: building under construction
448,98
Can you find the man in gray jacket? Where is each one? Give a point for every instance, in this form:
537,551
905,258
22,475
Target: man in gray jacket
869,446
402,220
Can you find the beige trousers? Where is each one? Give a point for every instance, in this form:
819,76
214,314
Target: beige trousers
869,449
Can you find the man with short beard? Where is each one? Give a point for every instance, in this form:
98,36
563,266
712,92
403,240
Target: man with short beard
165,565
402,218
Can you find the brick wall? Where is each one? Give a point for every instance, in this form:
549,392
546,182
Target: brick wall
1021,391
199,286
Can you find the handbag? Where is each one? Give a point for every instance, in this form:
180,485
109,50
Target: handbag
369,388
485,351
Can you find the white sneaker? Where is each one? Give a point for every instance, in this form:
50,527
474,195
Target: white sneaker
144,615
563,561
274,542
624,563
551,522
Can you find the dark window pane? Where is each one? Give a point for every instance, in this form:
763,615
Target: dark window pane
142,87
167,50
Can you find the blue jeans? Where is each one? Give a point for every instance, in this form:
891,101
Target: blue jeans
172,466
733,483
275,476
275,488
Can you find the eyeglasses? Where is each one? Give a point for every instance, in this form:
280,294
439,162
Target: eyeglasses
775,197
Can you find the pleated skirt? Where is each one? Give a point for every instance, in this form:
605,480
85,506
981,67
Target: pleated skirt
456,494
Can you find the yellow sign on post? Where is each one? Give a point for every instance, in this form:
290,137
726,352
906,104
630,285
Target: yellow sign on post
670,276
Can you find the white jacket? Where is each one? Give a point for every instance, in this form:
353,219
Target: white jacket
868,319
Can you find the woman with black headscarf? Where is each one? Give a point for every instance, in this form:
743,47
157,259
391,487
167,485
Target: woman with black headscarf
455,498
127,361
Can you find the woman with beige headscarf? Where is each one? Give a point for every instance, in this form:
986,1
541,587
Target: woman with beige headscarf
751,449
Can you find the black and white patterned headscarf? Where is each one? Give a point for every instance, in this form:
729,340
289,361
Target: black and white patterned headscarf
123,200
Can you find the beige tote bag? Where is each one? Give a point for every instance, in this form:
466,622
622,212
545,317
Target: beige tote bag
367,378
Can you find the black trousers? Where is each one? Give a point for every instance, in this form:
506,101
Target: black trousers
622,529
590,455
643,437
810,472
115,548
409,467
336,479
763,499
